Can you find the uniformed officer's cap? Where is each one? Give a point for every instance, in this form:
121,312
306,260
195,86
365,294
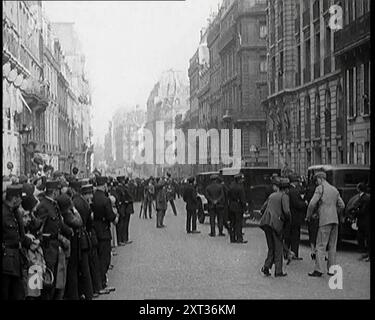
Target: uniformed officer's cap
320,174
76,185
87,189
14,190
28,189
52,185
101,181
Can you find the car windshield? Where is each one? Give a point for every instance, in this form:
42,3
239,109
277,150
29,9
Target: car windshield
353,177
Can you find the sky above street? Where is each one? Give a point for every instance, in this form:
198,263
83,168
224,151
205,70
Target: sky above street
128,44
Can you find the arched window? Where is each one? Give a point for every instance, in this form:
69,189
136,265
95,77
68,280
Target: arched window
317,116
307,117
327,114
299,121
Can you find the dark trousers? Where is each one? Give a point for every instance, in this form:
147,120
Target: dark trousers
275,250
238,221
84,277
363,236
173,207
126,227
123,228
104,255
232,223
216,213
95,270
71,287
147,205
191,220
160,213
12,288
294,238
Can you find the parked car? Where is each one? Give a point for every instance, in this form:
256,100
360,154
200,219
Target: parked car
345,178
257,183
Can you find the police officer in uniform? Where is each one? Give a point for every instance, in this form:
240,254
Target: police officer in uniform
52,227
237,206
85,288
191,198
13,238
216,201
103,216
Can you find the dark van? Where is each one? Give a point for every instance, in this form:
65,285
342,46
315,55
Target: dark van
257,186
345,178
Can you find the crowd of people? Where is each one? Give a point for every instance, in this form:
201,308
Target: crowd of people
59,234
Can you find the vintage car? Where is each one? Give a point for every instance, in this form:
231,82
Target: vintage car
345,178
257,183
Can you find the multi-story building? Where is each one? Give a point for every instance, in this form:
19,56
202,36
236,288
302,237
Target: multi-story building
352,53
307,99
25,97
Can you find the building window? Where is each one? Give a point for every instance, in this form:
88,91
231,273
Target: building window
327,114
367,153
366,85
262,30
351,153
340,121
350,91
299,120
308,158
9,127
359,153
307,118
317,116
328,156
263,66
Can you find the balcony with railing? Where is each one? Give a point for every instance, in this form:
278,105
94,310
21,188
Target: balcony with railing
306,75
327,65
316,69
226,37
353,34
36,95
306,18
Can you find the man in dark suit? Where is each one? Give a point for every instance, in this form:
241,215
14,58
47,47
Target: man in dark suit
52,227
13,239
103,216
128,199
237,206
298,211
362,213
216,202
190,197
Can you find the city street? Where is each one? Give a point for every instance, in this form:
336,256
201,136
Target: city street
170,264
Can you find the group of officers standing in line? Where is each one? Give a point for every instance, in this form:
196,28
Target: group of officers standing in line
56,236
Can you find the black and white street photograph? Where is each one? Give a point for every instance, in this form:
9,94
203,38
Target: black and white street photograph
186,150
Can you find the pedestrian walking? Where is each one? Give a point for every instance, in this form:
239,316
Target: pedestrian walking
161,202
171,193
328,200
191,198
275,212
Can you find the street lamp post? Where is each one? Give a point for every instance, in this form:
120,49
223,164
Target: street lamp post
25,131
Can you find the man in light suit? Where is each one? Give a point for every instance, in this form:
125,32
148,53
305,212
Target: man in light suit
329,201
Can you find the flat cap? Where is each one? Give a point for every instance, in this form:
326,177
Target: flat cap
87,189
14,190
214,177
52,185
320,174
101,181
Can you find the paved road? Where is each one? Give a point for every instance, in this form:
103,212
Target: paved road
170,264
